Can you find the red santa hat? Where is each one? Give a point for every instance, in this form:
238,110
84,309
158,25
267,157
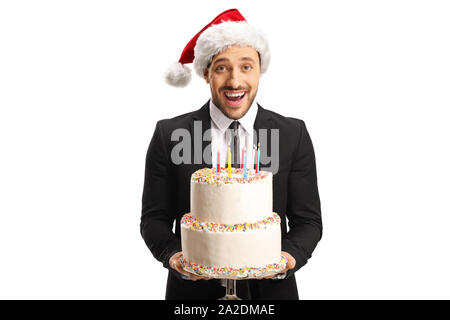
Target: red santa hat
227,29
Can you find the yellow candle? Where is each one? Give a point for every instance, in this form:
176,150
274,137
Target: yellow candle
229,161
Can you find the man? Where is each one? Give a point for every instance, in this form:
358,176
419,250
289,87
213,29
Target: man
230,55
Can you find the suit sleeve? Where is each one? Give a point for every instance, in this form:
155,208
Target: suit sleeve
157,200
303,207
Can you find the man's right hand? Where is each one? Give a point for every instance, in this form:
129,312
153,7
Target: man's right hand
175,264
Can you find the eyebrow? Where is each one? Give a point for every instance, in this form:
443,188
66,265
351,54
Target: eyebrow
226,59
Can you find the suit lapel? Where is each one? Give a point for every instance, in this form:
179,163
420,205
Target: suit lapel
263,122
201,123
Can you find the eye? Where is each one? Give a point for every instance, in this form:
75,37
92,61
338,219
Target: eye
247,67
220,68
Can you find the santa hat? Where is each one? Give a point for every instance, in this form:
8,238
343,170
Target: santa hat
227,29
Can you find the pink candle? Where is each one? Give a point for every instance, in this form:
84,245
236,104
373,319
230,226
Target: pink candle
256,158
218,161
242,158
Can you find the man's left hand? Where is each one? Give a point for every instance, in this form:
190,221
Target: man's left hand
289,265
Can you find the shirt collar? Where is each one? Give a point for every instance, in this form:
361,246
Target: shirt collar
223,122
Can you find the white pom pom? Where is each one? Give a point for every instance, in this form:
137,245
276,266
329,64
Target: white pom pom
178,75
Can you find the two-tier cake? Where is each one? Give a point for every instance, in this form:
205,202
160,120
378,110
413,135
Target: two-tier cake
231,231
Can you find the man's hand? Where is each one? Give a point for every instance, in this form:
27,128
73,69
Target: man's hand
289,265
175,264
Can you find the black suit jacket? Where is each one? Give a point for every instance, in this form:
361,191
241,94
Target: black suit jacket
166,198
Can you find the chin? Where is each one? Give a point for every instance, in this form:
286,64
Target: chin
233,112
236,113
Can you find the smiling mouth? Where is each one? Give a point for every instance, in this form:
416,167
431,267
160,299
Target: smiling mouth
234,98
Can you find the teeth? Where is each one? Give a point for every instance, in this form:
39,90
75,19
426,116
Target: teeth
229,94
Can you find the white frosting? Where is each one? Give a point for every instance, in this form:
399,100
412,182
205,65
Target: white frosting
232,203
217,199
255,248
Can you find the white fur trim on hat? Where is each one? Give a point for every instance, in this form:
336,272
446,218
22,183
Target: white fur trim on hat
226,34
178,75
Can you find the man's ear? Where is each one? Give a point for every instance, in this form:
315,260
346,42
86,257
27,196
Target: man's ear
206,75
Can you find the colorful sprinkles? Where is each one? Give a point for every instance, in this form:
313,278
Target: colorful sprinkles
228,272
210,176
196,225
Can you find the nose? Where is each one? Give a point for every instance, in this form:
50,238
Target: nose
233,79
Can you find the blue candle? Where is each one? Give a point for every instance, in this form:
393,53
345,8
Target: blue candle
245,162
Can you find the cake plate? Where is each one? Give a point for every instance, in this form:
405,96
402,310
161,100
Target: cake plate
230,292
231,278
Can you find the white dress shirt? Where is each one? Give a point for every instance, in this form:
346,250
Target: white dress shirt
220,136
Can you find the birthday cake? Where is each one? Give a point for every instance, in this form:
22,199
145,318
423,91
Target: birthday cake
231,231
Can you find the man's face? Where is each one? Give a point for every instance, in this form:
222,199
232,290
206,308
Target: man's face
234,71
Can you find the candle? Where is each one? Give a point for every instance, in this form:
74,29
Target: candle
218,161
257,163
245,162
255,157
242,158
229,161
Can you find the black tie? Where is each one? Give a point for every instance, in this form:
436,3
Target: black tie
234,126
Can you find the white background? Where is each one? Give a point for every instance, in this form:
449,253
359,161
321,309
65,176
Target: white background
81,88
